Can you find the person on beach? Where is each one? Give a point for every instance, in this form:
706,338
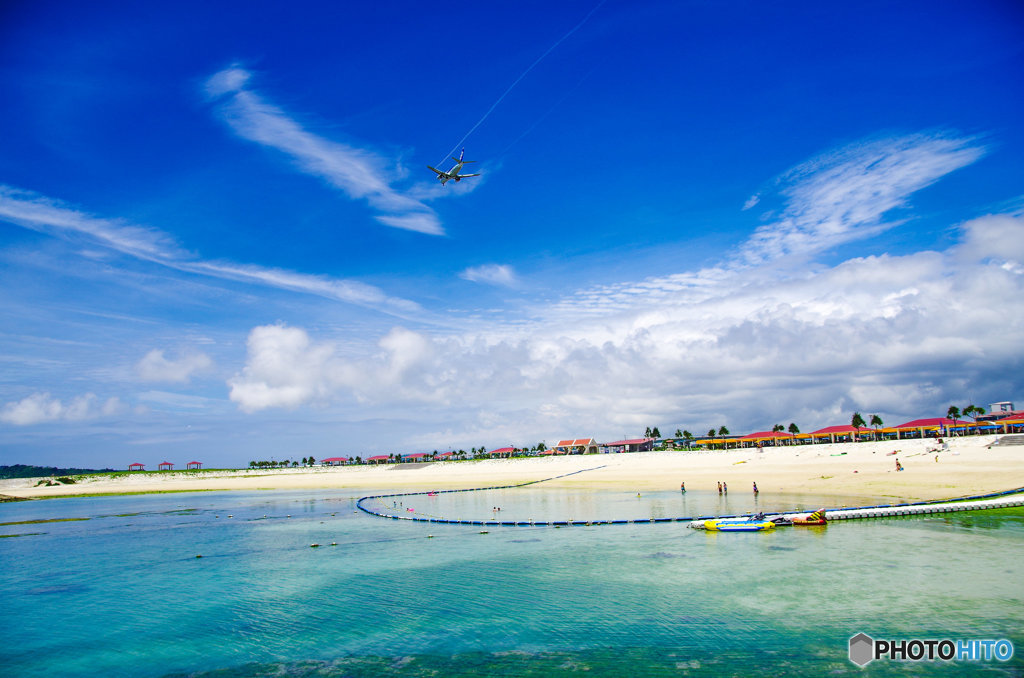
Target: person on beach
899,466
755,488
682,487
719,487
725,488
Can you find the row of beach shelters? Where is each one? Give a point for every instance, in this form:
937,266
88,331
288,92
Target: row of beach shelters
165,466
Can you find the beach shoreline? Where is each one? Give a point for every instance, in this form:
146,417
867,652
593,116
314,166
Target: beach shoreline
843,470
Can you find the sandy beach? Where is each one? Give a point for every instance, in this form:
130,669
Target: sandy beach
848,470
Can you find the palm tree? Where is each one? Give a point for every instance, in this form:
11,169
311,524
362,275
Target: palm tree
793,428
876,421
953,413
679,434
777,428
858,423
973,411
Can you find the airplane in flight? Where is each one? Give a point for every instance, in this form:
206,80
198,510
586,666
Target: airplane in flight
453,173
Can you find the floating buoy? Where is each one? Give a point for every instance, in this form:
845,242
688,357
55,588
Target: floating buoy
484,532
230,516
334,543
199,555
430,536
313,546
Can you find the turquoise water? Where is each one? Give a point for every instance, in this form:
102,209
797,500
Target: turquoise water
122,592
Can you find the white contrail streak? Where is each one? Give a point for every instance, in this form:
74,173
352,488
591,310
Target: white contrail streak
523,75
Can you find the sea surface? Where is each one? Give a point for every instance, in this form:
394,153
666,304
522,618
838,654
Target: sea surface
113,586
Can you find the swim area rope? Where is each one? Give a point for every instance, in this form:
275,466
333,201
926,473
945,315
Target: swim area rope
876,510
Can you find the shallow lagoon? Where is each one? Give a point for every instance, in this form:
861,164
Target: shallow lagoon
123,592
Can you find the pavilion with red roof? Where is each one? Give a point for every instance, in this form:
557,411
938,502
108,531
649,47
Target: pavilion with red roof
165,466
502,452
334,461
415,456
577,446
839,434
194,464
377,459
631,445
761,437
136,467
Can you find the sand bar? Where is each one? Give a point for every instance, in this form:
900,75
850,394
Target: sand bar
970,466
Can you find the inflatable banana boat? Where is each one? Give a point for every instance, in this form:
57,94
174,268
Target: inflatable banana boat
738,525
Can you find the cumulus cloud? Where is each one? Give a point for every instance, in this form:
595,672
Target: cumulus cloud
41,408
501,275
357,172
154,366
747,346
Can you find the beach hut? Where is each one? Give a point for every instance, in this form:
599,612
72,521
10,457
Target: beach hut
577,446
194,465
840,434
502,452
334,461
631,445
771,438
165,466
444,455
136,467
416,456
377,459
922,427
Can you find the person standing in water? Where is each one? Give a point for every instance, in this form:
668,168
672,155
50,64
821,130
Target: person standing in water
719,487
755,488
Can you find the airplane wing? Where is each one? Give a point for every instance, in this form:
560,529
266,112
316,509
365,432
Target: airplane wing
463,176
437,171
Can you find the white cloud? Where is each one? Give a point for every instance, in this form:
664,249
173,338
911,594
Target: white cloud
39,213
842,195
746,346
154,366
492,274
359,173
42,408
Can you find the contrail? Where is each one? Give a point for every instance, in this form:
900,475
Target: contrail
523,75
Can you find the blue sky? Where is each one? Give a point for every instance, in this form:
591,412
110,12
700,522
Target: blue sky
219,238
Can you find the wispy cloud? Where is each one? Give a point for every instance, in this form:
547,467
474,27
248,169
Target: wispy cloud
493,274
359,173
46,215
843,194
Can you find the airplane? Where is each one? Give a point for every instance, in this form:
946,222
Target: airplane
453,173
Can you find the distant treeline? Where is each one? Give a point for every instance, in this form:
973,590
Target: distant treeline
25,471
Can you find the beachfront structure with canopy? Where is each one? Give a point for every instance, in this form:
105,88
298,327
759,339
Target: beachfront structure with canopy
763,438
194,465
837,434
577,446
378,459
334,461
165,466
136,467
502,452
631,445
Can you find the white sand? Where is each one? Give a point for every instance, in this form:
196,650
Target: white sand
840,470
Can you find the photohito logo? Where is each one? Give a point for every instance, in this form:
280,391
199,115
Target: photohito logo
864,649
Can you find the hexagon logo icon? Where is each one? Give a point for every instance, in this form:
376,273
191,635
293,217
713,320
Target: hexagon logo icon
862,649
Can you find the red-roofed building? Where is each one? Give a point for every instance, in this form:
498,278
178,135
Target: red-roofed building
577,446
632,445
136,467
937,426
334,461
838,434
165,466
194,464
415,456
762,437
377,459
502,452
444,455
549,451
